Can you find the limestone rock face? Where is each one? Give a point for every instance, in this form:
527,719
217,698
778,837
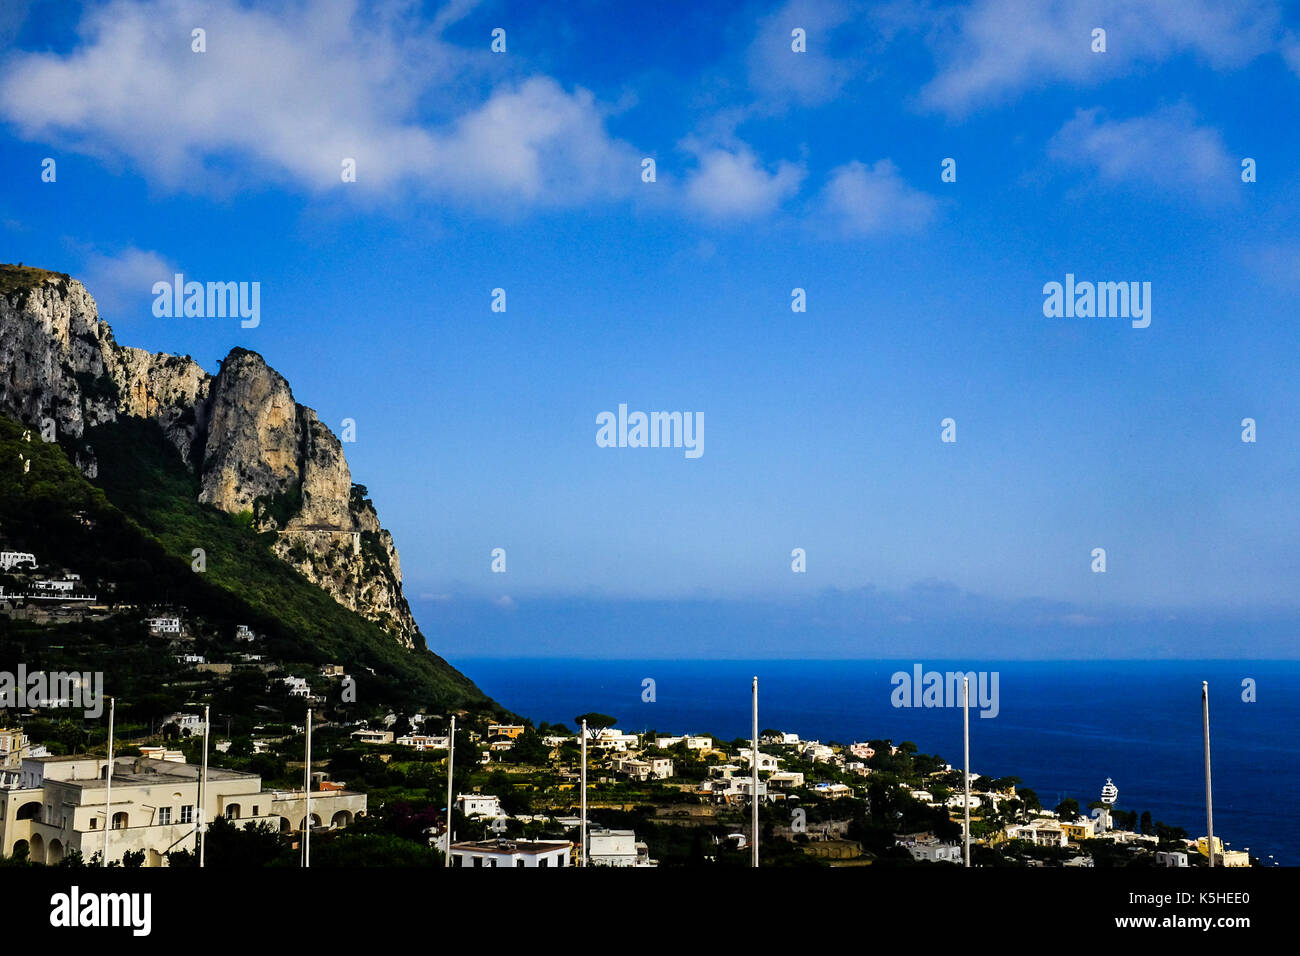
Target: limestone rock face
52,357
170,389
251,450
253,447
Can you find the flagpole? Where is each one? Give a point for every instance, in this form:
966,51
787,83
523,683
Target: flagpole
755,770
965,720
1209,796
108,774
306,839
451,765
202,821
582,850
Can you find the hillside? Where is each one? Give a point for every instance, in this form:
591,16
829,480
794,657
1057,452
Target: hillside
133,485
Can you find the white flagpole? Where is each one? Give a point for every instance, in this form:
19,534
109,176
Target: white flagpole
108,792
202,821
755,771
306,837
965,719
451,765
1209,797
582,850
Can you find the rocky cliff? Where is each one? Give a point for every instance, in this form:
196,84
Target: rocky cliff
252,447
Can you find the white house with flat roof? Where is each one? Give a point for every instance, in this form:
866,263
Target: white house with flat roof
511,853
63,804
765,761
368,736
702,744
479,805
185,723
616,848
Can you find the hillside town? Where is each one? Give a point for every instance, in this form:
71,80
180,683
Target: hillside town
652,799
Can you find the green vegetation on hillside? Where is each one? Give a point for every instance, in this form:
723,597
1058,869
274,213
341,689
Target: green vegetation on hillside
139,529
22,278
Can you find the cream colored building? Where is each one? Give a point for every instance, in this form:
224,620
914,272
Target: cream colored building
63,804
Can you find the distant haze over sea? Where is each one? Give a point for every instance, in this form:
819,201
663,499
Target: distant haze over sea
930,618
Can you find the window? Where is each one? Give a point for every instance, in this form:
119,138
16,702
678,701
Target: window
164,816
187,813
94,823
519,863
255,809
232,811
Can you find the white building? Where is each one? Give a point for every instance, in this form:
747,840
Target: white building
833,790
15,559
935,852
1040,832
657,768
511,853
733,789
297,686
816,751
765,761
616,848
479,805
65,585
191,723
164,625
611,738
421,741
702,744
1171,858
786,779
14,747
63,804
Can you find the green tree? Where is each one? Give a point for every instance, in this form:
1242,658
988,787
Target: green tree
530,749
1068,809
596,722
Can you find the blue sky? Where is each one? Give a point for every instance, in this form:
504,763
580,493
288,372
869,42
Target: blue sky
775,170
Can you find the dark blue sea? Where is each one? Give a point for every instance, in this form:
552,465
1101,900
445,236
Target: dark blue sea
1063,726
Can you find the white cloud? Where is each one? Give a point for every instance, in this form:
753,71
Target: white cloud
731,183
535,142
860,200
124,281
1166,151
287,95
994,48
780,75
